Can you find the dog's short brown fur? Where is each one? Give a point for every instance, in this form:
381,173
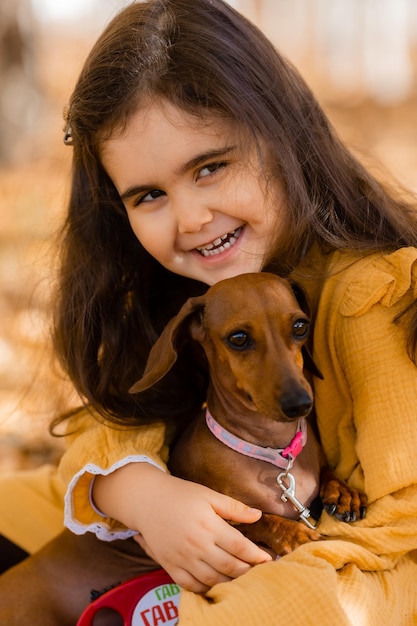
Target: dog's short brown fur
253,332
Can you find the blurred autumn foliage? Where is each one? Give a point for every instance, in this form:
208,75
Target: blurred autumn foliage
34,175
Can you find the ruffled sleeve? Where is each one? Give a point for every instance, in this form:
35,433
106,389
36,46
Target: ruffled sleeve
96,448
386,280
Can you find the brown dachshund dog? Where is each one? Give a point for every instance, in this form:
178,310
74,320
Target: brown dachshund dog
253,332
253,443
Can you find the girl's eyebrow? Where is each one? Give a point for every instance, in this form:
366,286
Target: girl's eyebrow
194,162
203,157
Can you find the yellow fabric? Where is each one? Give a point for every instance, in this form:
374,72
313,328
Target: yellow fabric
304,589
31,509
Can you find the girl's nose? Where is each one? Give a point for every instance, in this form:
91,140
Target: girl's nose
192,217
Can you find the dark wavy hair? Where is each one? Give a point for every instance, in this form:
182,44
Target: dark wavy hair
205,58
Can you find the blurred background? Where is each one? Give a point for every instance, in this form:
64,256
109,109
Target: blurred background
359,56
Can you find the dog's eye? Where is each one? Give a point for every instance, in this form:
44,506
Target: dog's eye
300,329
239,340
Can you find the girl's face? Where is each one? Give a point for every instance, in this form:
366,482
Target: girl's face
195,196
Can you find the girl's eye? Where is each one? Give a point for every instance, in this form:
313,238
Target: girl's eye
210,169
300,329
151,195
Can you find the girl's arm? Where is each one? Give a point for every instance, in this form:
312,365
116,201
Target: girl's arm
182,524
118,486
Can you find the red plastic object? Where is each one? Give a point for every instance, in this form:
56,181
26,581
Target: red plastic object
148,600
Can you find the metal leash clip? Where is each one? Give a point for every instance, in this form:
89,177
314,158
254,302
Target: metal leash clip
289,495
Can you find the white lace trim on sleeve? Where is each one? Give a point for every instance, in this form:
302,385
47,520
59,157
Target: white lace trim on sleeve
100,529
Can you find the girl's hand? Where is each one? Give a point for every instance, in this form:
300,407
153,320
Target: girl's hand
182,525
184,530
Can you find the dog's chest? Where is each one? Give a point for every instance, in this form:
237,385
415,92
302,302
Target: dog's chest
200,457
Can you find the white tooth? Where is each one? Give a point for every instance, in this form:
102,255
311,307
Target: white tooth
214,248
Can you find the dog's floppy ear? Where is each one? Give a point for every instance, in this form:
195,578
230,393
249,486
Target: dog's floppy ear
197,328
309,363
301,297
164,353
304,304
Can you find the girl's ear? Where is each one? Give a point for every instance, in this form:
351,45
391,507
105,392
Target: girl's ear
164,353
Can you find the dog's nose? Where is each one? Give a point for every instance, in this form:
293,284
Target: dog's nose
296,405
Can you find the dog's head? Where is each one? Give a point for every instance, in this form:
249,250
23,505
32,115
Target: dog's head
254,332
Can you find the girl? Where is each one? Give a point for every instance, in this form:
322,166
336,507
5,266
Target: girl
200,154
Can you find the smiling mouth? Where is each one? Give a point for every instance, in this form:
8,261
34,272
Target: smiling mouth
221,244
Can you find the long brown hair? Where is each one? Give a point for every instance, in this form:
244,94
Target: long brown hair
205,58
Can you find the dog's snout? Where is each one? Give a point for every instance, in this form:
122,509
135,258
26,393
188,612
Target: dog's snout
296,405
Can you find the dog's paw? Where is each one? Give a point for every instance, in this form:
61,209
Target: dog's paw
280,534
289,535
340,500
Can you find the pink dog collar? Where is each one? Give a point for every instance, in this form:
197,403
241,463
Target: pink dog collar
278,457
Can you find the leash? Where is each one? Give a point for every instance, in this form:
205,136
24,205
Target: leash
280,457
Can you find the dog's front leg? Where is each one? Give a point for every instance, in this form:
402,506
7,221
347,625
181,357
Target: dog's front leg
278,533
